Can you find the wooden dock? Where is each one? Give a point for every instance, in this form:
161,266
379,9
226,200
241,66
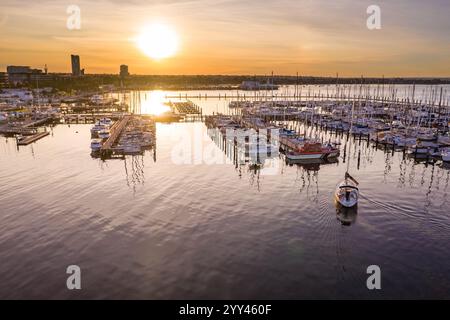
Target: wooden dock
30,139
84,118
11,130
185,108
35,123
26,128
115,132
311,97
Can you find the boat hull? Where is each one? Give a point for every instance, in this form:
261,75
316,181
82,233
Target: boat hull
446,157
304,156
347,194
347,204
333,154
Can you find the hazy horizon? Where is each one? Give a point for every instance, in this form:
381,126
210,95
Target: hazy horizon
229,37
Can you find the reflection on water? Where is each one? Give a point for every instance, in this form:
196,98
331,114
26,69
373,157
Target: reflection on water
134,171
178,225
347,216
153,103
145,102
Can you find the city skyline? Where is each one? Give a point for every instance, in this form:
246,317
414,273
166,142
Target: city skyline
314,38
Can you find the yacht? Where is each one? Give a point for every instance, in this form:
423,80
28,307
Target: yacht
105,122
97,128
309,150
445,154
96,144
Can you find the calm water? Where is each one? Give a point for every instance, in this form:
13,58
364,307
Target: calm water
169,225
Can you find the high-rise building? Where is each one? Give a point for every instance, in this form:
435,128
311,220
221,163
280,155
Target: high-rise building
124,71
76,70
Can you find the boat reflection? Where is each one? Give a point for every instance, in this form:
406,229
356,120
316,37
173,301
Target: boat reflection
346,216
249,156
445,165
311,164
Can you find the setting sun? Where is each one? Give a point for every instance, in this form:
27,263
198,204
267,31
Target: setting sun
158,41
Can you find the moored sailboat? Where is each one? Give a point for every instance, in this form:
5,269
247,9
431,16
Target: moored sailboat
347,192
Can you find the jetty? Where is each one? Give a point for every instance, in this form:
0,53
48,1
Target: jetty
30,139
38,122
84,118
115,132
25,128
185,108
11,130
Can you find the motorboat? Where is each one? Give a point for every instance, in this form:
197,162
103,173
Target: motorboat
308,150
97,128
418,149
103,134
105,122
287,133
19,137
445,154
132,149
313,150
330,151
147,140
96,144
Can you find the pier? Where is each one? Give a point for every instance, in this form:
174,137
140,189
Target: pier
27,128
11,130
38,122
30,139
185,108
315,98
115,132
85,118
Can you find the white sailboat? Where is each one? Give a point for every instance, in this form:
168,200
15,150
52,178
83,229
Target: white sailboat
445,154
347,192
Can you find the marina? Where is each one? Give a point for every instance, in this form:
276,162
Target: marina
128,135
220,151
268,175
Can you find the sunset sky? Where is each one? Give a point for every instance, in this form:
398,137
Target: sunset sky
313,37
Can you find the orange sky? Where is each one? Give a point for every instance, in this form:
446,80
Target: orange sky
318,37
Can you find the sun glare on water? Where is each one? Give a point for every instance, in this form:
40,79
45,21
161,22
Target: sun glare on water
158,41
153,103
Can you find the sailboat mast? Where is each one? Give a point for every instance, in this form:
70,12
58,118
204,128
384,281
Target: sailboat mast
351,127
439,110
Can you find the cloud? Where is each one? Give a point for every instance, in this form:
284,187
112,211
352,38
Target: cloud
3,19
252,34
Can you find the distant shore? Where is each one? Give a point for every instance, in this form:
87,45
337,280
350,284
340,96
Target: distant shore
66,82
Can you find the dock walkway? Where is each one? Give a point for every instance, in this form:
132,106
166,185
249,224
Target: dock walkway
115,132
38,122
30,139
